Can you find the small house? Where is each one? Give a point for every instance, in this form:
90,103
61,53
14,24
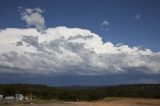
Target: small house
19,97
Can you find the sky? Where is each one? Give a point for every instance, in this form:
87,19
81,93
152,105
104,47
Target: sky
80,42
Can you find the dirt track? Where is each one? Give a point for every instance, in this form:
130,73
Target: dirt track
121,102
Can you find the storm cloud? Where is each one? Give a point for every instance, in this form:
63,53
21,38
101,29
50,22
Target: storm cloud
72,51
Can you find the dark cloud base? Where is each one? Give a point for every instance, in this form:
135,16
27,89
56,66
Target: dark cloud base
69,80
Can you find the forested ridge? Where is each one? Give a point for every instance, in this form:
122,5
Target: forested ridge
82,93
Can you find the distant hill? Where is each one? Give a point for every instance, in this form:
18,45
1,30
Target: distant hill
72,93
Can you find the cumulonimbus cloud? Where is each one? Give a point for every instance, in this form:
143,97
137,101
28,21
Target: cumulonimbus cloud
64,50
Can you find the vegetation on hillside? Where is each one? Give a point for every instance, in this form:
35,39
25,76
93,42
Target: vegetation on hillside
85,93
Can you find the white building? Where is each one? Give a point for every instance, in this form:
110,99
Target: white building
26,98
1,97
9,98
19,97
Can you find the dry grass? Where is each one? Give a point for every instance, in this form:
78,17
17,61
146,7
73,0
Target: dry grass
105,102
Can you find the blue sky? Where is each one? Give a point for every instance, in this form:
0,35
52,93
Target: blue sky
80,42
123,27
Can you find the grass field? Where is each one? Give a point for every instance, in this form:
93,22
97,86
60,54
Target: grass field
105,102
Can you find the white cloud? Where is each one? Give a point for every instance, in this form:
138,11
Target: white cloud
63,50
137,16
33,17
105,25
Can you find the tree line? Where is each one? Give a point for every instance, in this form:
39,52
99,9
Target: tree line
85,93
